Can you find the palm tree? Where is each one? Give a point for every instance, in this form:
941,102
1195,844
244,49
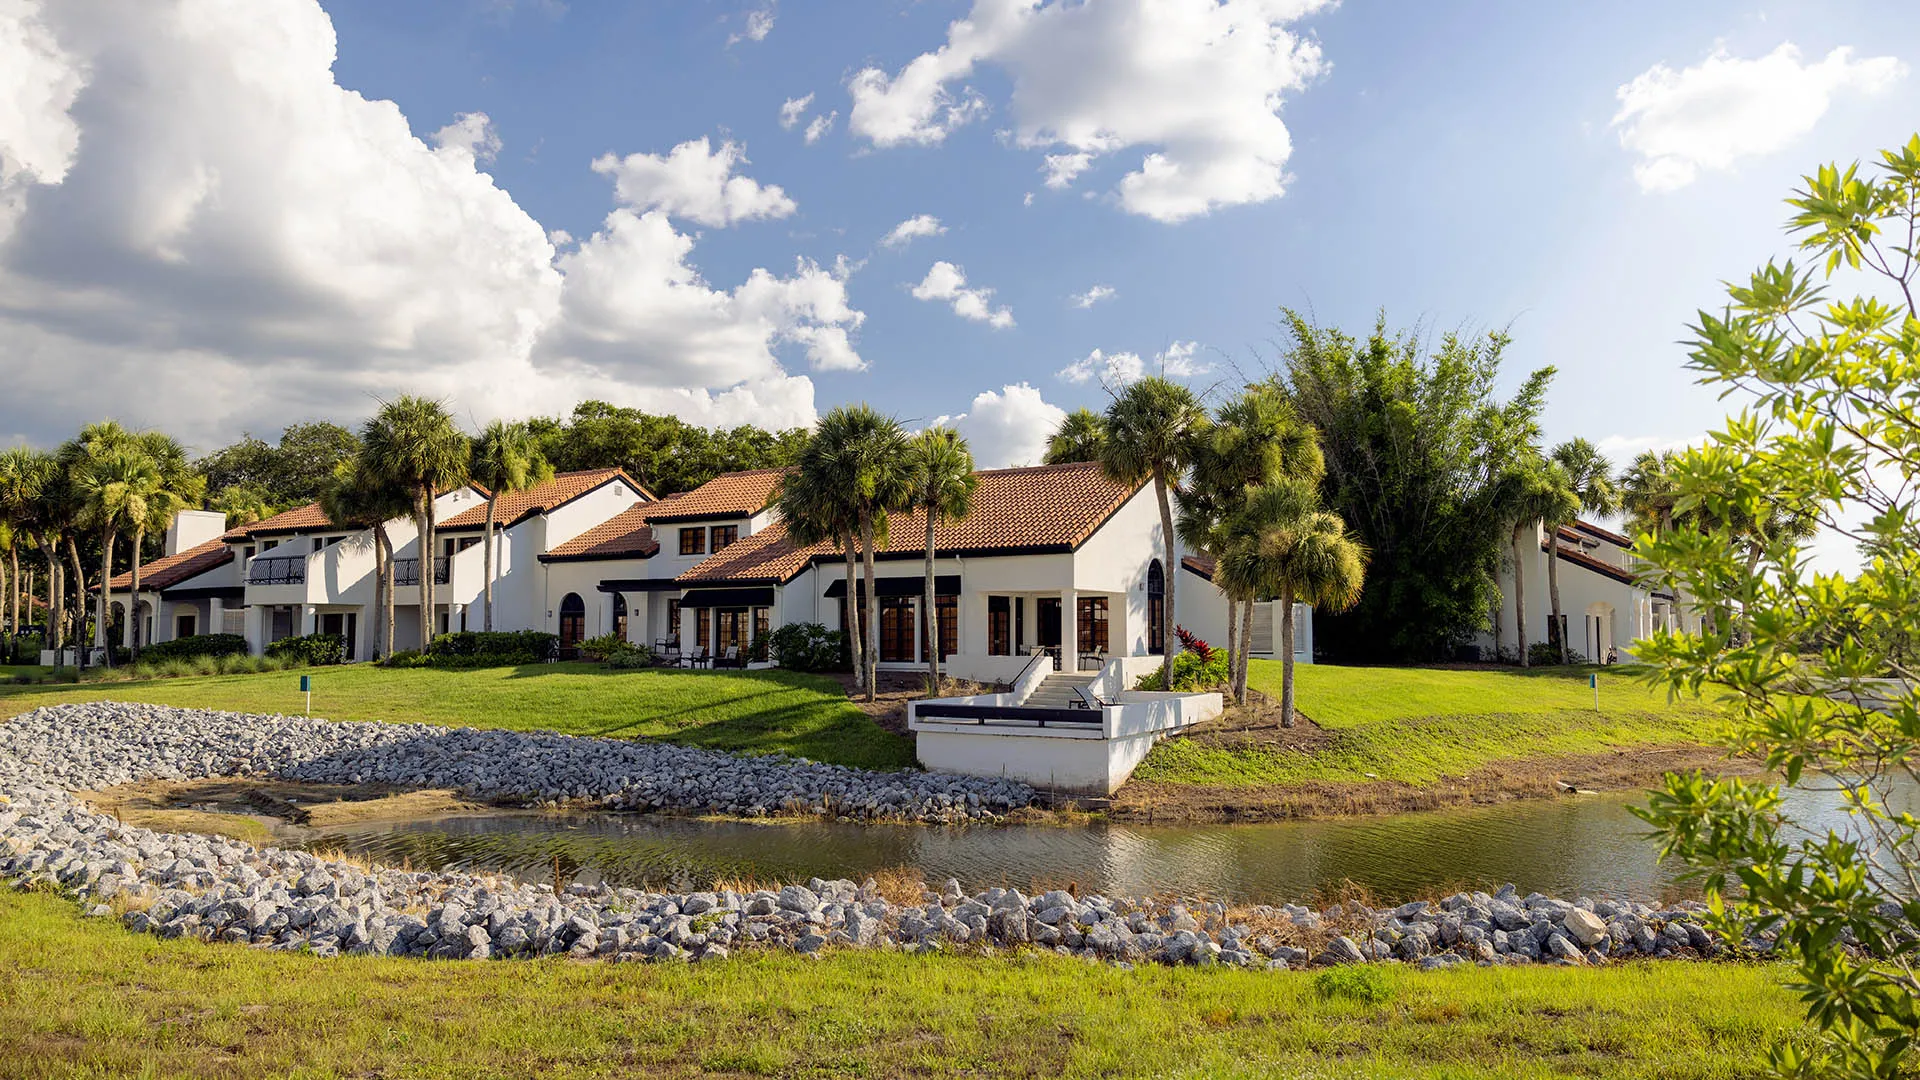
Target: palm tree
1255,439
866,455
1532,491
1151,427
360,497
413,442
815,509
116,483
179,488
506,458
1586,472
26,480
241,503
20,482
943,481
1299,553
1648,492
1080,437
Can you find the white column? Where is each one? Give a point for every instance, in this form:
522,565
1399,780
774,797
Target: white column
257,629
685,631
216,616
454,612
606,612
133,614
1069,632
306,616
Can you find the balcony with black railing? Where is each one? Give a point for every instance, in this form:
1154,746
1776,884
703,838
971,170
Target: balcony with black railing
407,571
277,570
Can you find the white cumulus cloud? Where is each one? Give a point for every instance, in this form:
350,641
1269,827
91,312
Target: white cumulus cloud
1092,296
1114,370
947,282
820,125
912,229
758,25
1195,85
694,181
793,110
1723,109
1008,426
471,132
196,208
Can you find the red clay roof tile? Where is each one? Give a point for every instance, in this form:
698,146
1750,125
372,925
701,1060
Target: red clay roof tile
164,573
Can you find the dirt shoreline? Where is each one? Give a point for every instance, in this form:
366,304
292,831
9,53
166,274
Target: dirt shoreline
1633,769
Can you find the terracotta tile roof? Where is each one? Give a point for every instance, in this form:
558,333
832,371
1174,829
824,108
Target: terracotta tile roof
170,571
625,535
1045,508
297,519
1608,535
516,506
738,494
1598,566
1199,564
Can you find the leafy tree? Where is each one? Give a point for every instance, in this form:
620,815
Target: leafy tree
1531,492
1152,427
1829,430
362,497
292,473
664,454
941,484
1081,436
863,452
412,442
242,504
1415,447
116,482
27,481
177,488
506,458
815,507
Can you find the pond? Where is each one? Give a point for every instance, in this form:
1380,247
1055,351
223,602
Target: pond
1584,845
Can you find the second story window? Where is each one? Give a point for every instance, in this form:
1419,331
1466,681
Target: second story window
693,541
723,535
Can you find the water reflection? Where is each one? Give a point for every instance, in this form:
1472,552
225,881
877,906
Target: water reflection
1579,846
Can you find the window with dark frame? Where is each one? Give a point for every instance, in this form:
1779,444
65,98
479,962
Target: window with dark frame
703,628
946,610
1156,609
673,621
693,540
724,536
999,626
762,622
1090,624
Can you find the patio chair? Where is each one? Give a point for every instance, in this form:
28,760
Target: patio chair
730,658
1084,698
703,658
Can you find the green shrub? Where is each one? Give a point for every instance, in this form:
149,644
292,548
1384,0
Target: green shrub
25,649
808,647
1547,653
407,658
198,645
759,651
490,648
317,650
1190,672
1354,982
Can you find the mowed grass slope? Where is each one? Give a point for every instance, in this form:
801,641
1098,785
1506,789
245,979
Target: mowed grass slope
1416,725
747,711
83,997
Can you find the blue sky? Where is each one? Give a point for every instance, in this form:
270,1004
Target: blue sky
1455,165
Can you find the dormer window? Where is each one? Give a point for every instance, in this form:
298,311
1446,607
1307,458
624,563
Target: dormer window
724,536
693,541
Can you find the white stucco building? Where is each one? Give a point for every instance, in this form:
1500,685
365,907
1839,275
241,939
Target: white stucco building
1052,558
1603,605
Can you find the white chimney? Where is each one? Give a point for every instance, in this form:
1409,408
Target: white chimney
193,528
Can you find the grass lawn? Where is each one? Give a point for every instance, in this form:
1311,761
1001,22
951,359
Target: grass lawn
755,712
83,997
1418,724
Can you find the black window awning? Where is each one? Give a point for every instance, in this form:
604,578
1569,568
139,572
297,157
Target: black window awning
943,585
699,598
613,585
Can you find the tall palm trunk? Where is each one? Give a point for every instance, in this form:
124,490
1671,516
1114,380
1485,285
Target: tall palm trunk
1286,657
1520,597
486,569
1172,575
1233,636
422,510
872,605
1246,652
1559,626
51,552
383,556
856,644
78,609
13,598
133,601
932,617
101,637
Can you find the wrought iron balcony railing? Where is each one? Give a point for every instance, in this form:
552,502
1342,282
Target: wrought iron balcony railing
407,571
277,570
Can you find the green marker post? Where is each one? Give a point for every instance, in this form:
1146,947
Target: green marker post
306,687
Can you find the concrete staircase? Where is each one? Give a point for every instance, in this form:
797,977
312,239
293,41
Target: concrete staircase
1057,692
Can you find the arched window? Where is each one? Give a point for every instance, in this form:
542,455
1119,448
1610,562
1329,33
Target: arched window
620,616
1156,609
573,621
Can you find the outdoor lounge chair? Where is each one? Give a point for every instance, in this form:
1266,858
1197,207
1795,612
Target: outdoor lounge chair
703,658
1085,698
729,658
